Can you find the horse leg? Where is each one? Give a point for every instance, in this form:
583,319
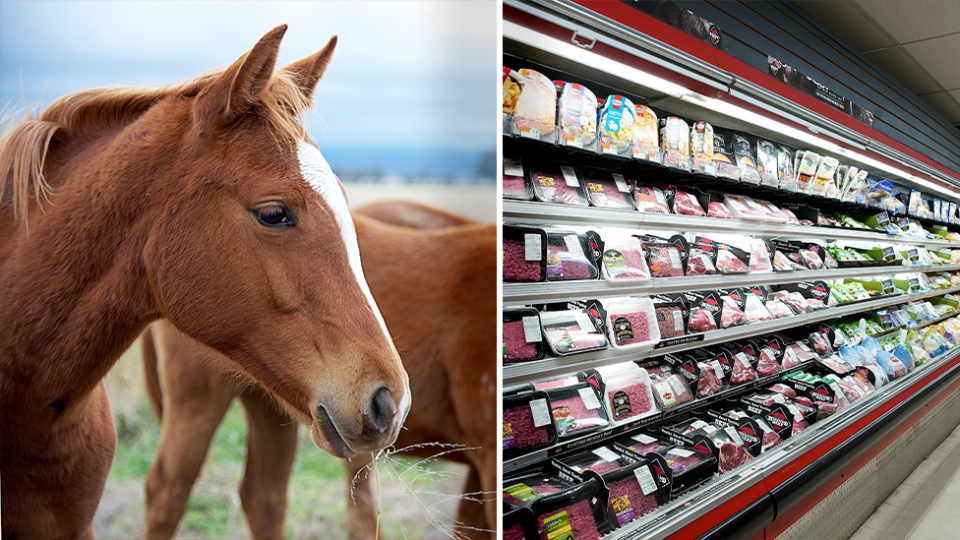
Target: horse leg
271,449
470,513
361,514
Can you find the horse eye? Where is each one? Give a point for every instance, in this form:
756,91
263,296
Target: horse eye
275,216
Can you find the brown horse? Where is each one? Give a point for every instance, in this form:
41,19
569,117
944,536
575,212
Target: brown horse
435,288
203,204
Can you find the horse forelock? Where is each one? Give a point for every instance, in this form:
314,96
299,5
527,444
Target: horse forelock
88,114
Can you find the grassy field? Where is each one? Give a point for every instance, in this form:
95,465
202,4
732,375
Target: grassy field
318,492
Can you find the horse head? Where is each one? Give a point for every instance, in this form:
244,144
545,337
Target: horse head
254,252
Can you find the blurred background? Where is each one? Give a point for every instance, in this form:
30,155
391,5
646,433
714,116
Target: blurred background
408,109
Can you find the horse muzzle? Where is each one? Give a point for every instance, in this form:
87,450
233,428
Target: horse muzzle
382,419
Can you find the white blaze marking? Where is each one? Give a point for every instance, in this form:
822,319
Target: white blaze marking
317,173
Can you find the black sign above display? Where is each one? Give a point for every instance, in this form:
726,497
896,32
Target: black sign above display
682,18
811,87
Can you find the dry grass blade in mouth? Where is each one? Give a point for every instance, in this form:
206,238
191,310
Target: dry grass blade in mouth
419,481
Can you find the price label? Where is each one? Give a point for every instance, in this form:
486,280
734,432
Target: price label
589,398
533,249
717,368
541,413
797,415
512,167
837,391
569,176
763,425
647,485
574,142
530,133
531,329
742,357
677,384
674,258
681,452
778,398
644,439
699,424
621,182
573,245
584,321
734,435
606,454
710,429
677,321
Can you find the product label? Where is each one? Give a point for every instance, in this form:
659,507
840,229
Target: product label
512,167
523,492
888,254
677,385
680,452
887,285
883,220
615,261
589,398
621,182
541,414
558,526
532,248
622,509
647,485
622,330
674,258
621,404
569,176
644,439
573,245
717,368
667,396
531,329
914,285
583,320
606,454
734,435
564,418
913,255
677,321
508,441
529,132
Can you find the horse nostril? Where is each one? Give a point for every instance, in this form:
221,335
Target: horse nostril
382,410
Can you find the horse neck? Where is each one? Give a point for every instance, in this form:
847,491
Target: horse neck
76,290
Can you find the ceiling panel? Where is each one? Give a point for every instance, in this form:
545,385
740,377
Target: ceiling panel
901,66
864,36
945,104
914,20
940,58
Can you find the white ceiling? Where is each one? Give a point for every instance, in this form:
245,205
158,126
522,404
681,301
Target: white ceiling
916,41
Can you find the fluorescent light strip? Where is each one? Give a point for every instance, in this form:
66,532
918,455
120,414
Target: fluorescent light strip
587,58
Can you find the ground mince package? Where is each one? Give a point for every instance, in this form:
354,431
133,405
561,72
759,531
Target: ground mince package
633,492
666,258
515,183
557,184
535,113
629,397
767,163
650,199
701,148
569,256
670,318
645,138
524,489
724,158
522,340
579,513
632,322
518,523
572,331
675,143
616,126
608,189
642,443
623,259
527,424
524,253
577,115
600,460
577,409
788,177
746,156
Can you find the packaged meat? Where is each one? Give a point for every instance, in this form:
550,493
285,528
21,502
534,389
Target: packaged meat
675,143
567,257
731,315
767,363
743,207
781,263
515,184
645,143
670,320
778,309
724,159
686,204
510,90
791,217
632,322
627,500
524,254
670,390
732,456
700,321
785,390
554,383
608,190
651,200
770,438
642,444
616,126
600,460
811,260
557,185
710,380
577,409
824,179
742,370
759,257
802,352
700,264
579,511
522,491
794,300
664,260
571,331
716,209
746,159
701,148
754,309
629,396
728,263
534,115
521,335
577,115
767,163
623,259
527,423
820,343
806,171
788,177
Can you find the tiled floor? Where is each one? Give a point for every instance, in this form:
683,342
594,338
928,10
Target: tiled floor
926,506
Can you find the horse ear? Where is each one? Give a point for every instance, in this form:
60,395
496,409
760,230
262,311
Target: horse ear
236,89
308,71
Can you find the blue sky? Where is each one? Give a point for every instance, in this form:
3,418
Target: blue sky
413,82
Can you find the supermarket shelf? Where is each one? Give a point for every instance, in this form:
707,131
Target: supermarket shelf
549,367
592,439
562,214
918,327
560,291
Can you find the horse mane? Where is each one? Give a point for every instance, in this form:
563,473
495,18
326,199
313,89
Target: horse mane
24,144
